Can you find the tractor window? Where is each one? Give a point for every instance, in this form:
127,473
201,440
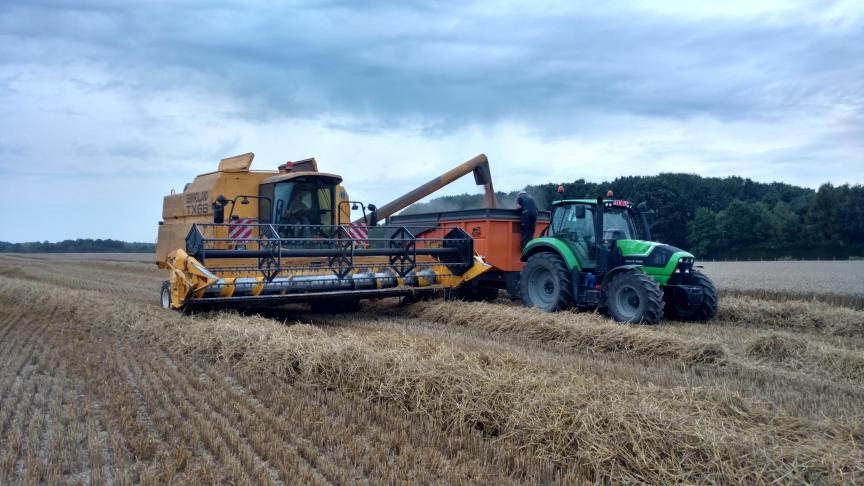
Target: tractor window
568,225
617,225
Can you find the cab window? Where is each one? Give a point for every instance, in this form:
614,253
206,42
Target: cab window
567,224
617,225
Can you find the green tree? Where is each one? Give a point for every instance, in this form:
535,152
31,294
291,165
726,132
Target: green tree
743,225
824,217
702,232
853,217
788,229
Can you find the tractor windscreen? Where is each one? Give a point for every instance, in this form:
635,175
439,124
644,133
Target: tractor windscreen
617,225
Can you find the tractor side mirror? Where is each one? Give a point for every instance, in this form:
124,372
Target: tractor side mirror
580,211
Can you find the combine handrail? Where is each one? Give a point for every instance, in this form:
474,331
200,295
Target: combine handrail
269,247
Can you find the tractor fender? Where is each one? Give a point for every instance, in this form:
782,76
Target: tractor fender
615,271
551,245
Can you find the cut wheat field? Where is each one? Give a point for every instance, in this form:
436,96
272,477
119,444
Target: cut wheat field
98,385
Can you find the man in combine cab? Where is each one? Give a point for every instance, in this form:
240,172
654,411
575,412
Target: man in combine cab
528,210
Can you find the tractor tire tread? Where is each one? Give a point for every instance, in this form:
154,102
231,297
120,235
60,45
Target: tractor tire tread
709,305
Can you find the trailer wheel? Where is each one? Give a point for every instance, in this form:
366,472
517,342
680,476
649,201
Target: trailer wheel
634,298
702,312
545,283
165,295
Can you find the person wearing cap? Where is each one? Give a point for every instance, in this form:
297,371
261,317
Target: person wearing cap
528,212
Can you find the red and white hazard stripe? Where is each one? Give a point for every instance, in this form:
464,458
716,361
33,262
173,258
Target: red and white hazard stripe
239,229
358,231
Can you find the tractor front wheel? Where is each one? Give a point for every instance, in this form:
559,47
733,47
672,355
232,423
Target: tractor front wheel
545,283
634,298
702,312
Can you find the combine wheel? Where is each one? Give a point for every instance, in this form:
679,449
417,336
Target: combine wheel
634,298
165,295
545,283
702,312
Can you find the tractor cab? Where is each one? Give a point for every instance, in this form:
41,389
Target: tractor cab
586,225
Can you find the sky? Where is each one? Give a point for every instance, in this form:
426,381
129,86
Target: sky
107,105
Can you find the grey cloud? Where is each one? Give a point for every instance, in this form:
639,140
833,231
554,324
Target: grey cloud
435,64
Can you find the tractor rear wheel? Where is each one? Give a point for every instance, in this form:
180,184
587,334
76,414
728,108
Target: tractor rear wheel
634,298
702,312
546,283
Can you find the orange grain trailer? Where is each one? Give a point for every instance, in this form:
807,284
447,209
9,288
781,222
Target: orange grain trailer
496,233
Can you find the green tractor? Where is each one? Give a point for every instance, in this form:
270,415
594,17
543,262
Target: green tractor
599,254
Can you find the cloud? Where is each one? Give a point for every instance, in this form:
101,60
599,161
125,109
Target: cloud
390,95
438,63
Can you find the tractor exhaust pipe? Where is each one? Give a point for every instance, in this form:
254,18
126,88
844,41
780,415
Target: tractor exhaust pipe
642,209
599,213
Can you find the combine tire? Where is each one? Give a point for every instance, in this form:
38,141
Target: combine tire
545,283
634,298
165,295
703,312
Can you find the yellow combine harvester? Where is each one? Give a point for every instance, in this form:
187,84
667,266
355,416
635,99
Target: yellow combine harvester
237,236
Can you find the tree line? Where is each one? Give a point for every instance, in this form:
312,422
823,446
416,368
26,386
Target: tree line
729,217
77,246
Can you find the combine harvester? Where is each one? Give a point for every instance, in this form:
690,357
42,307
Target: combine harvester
237,237
242,237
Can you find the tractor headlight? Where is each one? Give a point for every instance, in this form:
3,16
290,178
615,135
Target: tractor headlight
685,264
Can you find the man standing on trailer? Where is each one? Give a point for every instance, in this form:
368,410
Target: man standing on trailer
528,210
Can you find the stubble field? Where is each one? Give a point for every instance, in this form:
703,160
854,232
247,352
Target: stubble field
99,385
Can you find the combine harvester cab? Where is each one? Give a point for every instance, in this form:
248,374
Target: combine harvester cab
237,237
